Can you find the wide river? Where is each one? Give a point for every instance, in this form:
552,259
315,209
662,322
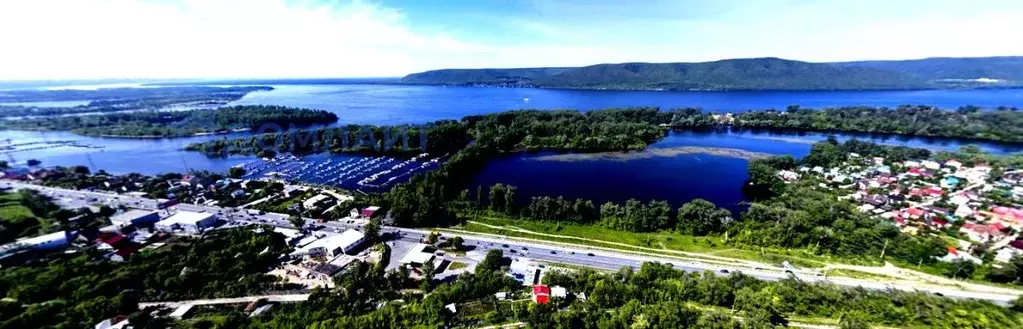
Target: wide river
681,171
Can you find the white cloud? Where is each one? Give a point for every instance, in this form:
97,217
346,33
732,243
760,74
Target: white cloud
205,38
65,39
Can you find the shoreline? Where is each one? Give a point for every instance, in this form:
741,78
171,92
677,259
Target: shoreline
655,152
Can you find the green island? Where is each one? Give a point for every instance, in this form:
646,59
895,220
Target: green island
747,74
632,129
161,124
119,99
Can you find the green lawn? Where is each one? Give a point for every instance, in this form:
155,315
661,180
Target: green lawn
457,265
17,219
707,245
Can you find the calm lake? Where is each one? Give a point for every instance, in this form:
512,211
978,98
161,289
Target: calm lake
676,177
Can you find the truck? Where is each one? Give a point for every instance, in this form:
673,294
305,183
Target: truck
166,203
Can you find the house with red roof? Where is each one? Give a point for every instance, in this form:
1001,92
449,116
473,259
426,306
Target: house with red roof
983,233
541,294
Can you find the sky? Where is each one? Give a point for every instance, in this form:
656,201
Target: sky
166,39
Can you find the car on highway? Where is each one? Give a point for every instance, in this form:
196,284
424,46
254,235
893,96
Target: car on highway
589,254
723,271
552,252
504,246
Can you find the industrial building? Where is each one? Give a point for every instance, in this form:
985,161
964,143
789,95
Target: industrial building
187,221
417,255
135,217
336,245
55,240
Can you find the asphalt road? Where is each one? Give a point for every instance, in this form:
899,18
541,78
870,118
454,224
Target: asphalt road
577,256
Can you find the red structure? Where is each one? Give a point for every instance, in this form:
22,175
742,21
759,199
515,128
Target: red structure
541,294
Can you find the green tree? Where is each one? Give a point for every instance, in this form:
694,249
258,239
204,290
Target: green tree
854,320
457,243
700,217
372,230
236,172
960,269
296,221
490,263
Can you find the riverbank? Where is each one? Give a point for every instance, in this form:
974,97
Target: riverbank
653,153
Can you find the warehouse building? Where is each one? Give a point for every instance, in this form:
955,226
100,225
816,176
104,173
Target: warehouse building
334,246
187,221
135,217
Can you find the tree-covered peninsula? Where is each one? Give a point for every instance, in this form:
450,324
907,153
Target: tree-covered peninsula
155,124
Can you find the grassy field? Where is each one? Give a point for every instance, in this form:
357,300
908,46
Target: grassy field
602,237
18,220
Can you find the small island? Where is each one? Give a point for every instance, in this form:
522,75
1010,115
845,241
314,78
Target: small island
157,124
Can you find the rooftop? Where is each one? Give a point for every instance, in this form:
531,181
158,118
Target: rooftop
187,218
130,215
345,240
417,255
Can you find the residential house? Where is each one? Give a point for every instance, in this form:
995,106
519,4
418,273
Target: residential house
541,294
982,233
964,211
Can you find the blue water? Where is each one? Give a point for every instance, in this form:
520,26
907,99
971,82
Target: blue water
49,103
676,179
392,104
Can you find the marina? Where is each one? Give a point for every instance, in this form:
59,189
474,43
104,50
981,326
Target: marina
357,173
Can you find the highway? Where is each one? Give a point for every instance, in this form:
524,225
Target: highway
570,254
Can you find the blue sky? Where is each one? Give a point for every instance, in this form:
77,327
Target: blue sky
343,38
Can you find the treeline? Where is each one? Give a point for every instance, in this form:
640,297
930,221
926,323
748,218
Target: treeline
654,296
601,130
80,290
658,296
120,99
621,129
441,137
698,217
177,123
968,122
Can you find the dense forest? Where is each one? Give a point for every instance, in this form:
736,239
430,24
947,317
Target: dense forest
654,296
747,74
118,99
968,122
626,129
78,290
176,123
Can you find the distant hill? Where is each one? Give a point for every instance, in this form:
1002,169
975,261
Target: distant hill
945,70
749,74
484,76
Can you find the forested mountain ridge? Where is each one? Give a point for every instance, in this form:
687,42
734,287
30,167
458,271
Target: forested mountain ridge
749,74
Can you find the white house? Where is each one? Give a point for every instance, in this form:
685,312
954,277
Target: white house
559,291
964,210
1005,254
930,164
55,240
192,222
